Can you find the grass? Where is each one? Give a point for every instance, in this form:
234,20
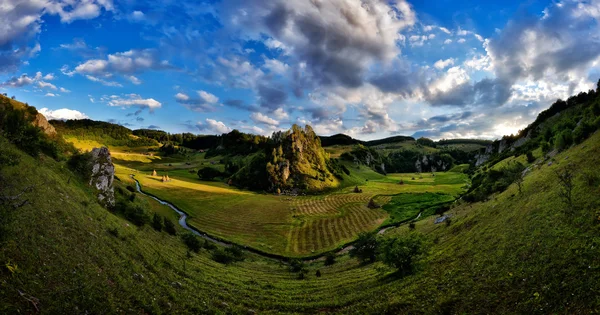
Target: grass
290,226
514,254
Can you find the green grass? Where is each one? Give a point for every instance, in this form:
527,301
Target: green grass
514,254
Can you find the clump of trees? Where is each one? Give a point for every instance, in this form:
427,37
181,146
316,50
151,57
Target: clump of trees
486,183
401,253
209,173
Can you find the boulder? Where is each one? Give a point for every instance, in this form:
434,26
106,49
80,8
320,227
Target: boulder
103,175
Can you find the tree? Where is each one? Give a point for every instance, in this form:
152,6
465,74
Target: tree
514,174
365,247
209,173
157,222
169,226
329,258
191,241
530,157
402,253
563,140
565,181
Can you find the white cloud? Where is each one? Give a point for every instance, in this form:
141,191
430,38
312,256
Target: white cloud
137,15
280,113
442,64
63,90
461,41
260,118
133,79
62,114
50,95
209,98
182,97
103,82
275,66
43,84
135,100
214,126
448,41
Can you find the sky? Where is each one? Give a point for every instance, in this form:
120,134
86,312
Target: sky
369,69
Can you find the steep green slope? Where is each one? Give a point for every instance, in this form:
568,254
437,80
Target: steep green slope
517,253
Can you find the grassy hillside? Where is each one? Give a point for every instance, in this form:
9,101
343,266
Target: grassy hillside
517,253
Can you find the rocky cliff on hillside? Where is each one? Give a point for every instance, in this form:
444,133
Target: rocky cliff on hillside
103,174
41,121
500,146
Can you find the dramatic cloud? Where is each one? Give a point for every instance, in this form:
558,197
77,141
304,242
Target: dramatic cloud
62,114
21,21
337,40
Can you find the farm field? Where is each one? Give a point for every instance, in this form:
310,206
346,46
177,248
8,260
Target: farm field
294,226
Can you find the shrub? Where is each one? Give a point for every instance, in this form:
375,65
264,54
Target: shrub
114,232
296,265
412,226
191,241
329,258
157,222
209,173
169,226
566,184
365,247
402,253
591,178
134,213
130,188
208,245
228,255
318,273
80,164
530,157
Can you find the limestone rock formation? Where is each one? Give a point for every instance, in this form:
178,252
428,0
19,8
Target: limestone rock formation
103,175
41,121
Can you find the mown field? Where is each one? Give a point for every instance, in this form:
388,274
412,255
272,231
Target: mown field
293,226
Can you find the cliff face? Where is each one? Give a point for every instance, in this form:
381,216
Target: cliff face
43,123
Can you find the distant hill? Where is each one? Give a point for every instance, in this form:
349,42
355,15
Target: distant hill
339,139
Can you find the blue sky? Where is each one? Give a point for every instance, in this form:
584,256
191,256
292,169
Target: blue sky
370,69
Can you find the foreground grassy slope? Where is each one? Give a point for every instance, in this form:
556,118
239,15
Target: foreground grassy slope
525,254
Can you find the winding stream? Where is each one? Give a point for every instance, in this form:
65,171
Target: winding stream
183,223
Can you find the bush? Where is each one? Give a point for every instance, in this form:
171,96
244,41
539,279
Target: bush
402,253
228,255
365,247
157,222
191,241
208,245
329,258
209,173
530,157
169,226
591,178
134,213
80,164
296,265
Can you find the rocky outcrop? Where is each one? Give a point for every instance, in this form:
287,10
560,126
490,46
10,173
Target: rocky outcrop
103,175
43,123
